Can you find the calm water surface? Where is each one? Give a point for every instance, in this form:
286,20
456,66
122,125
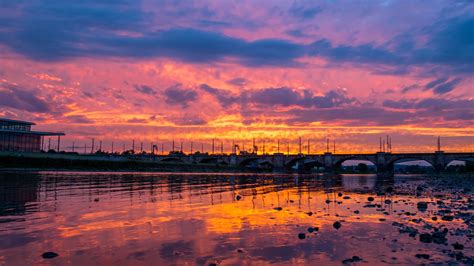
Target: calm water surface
227,219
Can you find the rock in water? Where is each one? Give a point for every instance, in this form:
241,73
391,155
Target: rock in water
353,259
426,238
422,206
447,218
423,256
370,198
49,255
337,225
301,235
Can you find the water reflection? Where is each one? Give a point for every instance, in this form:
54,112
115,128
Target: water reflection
149,218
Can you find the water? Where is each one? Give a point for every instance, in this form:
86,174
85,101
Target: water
227,219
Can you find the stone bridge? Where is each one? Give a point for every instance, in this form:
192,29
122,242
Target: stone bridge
384,161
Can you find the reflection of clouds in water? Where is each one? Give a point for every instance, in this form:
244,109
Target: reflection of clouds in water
359,182
197,218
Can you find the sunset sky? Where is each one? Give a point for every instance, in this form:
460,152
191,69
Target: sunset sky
153,71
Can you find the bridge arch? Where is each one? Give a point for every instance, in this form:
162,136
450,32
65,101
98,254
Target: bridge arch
212,160
390,164
370,162
304,163
293,162
455,160
256,162
248,161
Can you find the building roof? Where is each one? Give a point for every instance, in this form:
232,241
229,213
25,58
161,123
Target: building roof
16,121
39,133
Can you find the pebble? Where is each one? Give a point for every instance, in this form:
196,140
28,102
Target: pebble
353,259
422,206
458,246
370,198
301,235
423,256
447,218
426,238
49,255
337,225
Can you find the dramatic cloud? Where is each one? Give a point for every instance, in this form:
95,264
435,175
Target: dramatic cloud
159,69
145,89
224,97
447,87
176,95
443,85
291,97
21,99
55,30
80,119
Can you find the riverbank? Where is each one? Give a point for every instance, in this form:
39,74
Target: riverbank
68,162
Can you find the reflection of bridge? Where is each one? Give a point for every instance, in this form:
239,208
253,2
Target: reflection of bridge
383,160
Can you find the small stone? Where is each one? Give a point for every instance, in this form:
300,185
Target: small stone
49,255
238,197
388,201
447,218
337,225
301,235
434,218
309,213
96,199
370,198
339,194
458,246
353,259
422,206
278,208
356,212
328,201
346,197
426,238
423,256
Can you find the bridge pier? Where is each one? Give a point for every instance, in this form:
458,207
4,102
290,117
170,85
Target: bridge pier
278,161
381,162
233,160
328,163
439,161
